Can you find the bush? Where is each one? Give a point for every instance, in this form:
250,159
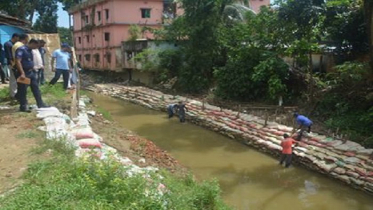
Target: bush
65,183
252,74
346,106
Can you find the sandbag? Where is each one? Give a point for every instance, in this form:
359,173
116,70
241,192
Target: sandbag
82,133
339,170
352,174
89,143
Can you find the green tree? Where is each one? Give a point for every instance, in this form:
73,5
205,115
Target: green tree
68,4
65,35
22,9
47,20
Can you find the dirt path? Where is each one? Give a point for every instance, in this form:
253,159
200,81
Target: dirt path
17,138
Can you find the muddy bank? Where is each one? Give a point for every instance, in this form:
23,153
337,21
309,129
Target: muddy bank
142,151
344,161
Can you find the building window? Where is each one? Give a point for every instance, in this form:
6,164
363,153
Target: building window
87,37
87,57
145,13
108,57
80,58
79,40
86,19
107,36
107,14
99,16
97,57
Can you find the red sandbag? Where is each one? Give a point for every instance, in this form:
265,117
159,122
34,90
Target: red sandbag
83,133
243,129
361,171
253,126
352,174
278,133
350,154
89,143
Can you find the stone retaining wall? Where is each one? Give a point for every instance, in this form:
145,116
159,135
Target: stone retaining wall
347,161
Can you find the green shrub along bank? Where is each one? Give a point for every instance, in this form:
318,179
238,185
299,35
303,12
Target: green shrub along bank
346,102
64,182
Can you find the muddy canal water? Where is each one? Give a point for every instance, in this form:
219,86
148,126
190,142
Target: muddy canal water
249,179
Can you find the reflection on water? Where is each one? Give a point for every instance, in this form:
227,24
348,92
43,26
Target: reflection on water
250,180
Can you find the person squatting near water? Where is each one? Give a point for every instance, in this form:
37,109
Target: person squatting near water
180,108
171,109
24,61
287,150
304,123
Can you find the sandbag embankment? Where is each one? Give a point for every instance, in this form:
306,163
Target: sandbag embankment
346,161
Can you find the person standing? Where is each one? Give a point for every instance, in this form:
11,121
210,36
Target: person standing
9,57
181,110
2,65
38,62
287,150
42,53
304,123
63,66
25,69
23,39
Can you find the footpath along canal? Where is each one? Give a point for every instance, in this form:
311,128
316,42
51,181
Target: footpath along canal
249,179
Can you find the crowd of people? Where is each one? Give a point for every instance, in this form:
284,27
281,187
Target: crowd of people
22,64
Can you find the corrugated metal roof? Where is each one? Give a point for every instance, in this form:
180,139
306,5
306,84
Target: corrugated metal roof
13,21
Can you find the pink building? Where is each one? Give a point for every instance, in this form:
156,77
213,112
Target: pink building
256,4
100,27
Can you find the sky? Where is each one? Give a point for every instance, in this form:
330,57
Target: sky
63,17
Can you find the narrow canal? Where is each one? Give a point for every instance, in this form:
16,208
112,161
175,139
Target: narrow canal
249,179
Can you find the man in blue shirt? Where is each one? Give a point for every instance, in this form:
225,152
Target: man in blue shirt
25,64
303,123
63,66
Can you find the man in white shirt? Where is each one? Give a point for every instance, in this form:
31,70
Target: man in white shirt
38,62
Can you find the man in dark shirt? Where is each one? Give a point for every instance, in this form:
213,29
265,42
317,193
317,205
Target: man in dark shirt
2,65
25,65
8,48
181,110
9,57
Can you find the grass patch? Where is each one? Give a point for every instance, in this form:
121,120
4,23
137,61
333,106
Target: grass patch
56,90
57,146
4,95
69,183
106,114
28,134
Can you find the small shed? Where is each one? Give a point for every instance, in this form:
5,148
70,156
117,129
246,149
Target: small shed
10,25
